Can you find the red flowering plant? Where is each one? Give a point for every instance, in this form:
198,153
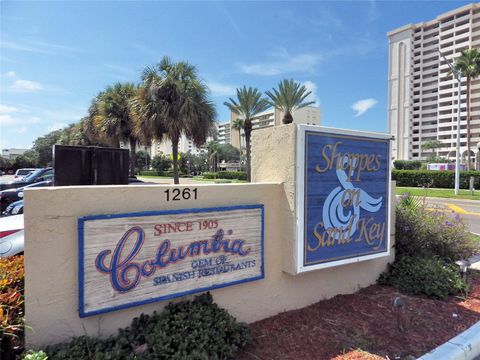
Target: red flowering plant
12,276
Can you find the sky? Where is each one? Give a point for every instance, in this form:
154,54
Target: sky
56,56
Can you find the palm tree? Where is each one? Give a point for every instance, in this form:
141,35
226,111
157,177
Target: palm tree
468,63
289,97
432,145
115,117
238,125
249,103
174,102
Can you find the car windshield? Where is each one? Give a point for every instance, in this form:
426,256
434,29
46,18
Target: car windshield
33,175
23,172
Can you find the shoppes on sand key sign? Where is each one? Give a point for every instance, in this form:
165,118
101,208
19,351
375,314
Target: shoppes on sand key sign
343,197
132,259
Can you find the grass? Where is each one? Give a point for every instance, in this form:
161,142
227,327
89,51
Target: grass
440,193
199,178
153,177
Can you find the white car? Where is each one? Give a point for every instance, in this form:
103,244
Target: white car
23,172
11,235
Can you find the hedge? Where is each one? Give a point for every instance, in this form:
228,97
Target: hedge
239,175
435,179
407,164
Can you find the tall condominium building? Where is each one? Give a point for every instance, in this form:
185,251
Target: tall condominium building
165,147
273,117
423,95
224,132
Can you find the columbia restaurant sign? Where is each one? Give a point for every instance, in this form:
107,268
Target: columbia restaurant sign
132,259
343,197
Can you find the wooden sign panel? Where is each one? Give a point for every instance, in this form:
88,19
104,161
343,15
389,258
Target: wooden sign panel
132,259
343,197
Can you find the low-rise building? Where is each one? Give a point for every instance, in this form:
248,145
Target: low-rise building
273,117
11,154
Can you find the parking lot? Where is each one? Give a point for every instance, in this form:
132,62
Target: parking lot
6,178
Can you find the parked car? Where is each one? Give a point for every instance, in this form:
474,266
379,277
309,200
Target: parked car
20,173
10,195
14,208
36,176
11,235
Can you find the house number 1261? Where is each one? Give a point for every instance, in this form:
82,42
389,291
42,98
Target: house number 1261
179,194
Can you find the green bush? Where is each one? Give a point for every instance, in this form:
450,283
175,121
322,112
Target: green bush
239,175
420,275
435,179
196,329
407,164
427,244
35,355
428,233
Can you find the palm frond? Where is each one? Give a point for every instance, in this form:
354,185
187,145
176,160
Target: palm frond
290,96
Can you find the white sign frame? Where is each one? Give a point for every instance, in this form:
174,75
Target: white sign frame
300,195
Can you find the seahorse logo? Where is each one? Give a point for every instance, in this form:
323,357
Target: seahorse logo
335,215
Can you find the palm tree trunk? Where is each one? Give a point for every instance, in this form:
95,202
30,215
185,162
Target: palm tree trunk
175,139
468,123
133,156
288,118
240,141
248,131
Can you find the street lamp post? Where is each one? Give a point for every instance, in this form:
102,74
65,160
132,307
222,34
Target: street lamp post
458,76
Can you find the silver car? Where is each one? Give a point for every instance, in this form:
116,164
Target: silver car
11,235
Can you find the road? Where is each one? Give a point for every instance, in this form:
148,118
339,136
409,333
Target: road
6,178
469,210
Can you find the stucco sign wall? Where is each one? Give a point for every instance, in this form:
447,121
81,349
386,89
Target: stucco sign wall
343,202
137,258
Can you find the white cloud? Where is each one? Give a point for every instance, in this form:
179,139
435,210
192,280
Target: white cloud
361,106
283,63
26,86
6,119
41,47
218,89
5,109
57,126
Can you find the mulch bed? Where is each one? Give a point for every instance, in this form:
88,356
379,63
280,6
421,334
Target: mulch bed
364,325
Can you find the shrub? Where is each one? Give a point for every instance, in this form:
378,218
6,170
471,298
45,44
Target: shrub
239,175
11,305
427,244
196,329
35,355
420,275
435,179
407,164
422,232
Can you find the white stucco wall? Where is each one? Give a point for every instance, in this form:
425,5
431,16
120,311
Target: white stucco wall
51,254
